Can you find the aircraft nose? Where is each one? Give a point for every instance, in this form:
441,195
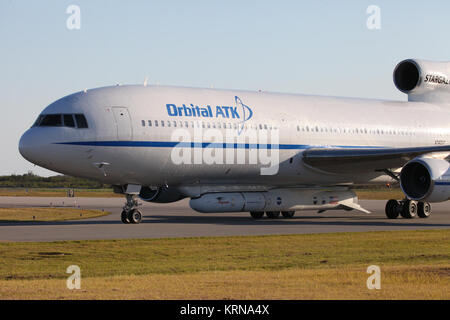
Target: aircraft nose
29,146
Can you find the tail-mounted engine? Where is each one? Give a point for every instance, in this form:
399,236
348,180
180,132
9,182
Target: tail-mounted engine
423,80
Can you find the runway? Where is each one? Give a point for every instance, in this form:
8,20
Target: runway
178,220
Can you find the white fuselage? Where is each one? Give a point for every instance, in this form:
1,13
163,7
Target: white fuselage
123,145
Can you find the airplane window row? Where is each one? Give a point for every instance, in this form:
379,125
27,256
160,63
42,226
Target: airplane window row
304,128
62,120
206,125
354,130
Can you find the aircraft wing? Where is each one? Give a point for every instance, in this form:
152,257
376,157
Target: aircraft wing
339,160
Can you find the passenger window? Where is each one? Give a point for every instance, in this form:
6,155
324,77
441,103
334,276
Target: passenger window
162,123
143,122
51,120
68,121
149,123
156,123
81,121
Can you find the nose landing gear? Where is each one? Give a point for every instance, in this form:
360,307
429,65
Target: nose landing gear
130,213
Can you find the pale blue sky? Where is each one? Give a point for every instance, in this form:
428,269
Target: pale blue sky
317,47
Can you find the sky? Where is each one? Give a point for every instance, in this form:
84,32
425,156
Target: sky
310,47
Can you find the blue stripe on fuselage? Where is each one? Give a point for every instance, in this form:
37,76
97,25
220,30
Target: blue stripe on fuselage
441,183
173,144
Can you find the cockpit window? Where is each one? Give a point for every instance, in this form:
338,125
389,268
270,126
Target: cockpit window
38,121
81,121
68,120
51,120
58,120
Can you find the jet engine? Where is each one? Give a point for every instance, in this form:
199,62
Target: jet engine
160,194
426,179
423,80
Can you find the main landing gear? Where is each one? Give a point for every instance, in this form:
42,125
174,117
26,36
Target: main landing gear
130,213
272,214
408,209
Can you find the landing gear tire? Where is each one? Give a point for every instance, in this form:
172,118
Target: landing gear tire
257,214
124,217
135,216
424,209
273,214
130,213
409,210
392,209
288,214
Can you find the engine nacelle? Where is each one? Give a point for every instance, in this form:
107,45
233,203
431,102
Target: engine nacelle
426,179
160,194
423,80
275,200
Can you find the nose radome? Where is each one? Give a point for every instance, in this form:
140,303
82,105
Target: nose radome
29,146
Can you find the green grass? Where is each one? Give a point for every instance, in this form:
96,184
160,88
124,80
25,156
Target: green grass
379,194
189,255
47,214
56,192
414,265
364,194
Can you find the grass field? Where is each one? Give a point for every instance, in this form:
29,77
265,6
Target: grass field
368,194
414,265
38,192
379,194
47,214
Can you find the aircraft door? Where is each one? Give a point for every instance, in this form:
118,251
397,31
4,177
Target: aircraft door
123,123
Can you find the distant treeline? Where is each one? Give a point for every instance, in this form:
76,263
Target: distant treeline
30,180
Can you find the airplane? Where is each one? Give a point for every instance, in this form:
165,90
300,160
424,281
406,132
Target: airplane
258,152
